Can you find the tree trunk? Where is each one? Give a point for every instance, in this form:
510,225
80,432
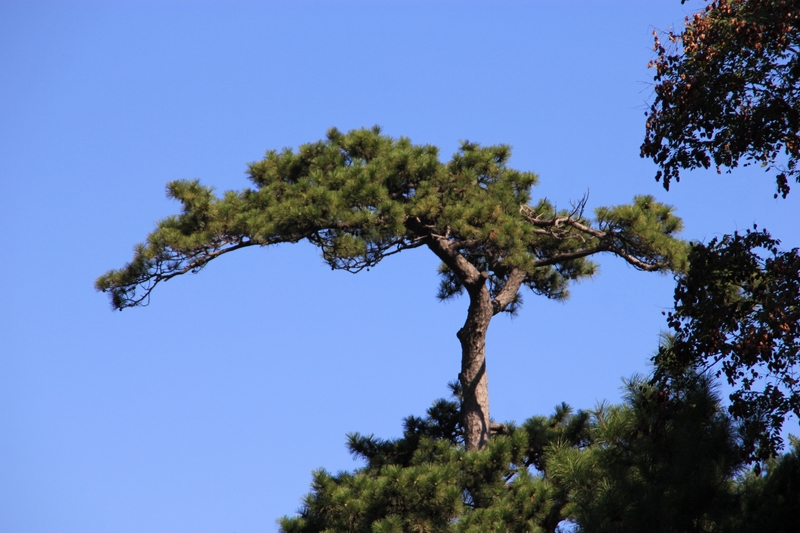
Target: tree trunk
482,307
473,378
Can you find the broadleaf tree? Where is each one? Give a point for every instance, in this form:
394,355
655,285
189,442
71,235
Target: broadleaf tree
737,316
727,90
363,196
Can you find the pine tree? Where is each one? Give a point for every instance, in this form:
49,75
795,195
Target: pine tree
661,461
769,501
363,196
424,481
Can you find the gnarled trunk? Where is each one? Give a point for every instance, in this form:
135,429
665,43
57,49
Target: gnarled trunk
482,307
473,378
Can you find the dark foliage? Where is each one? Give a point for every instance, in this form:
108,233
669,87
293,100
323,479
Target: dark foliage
769,502
661,462
737,315
728,90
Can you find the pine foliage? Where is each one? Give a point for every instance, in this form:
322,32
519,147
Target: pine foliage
363,196
425,481
661,462
667,461
769,501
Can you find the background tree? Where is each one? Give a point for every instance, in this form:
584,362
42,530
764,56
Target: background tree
768,501
363,196
662,461
657,462
737,315
728,90
424,481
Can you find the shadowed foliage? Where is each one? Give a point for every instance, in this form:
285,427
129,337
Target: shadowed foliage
728,90
737,315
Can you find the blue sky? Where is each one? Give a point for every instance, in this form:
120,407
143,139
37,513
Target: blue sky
208,410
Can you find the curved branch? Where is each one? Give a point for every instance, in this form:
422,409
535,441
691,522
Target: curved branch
509,290
569,256
447,251
144,274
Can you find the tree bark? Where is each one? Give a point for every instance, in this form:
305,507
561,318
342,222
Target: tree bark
482,307
473,378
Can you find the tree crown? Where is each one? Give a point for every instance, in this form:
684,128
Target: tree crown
363,196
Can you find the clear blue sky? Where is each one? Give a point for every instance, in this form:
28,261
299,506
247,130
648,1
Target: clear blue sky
208,410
